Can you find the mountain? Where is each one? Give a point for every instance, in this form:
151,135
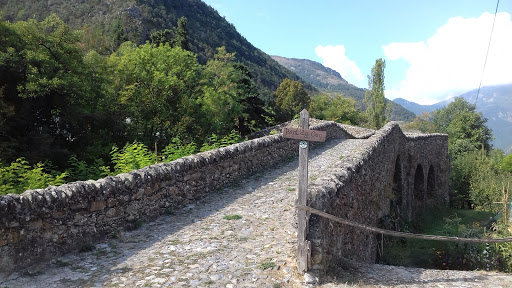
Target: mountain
417,108
330,81
495,103
137,19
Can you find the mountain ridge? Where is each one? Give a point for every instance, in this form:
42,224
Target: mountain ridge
495,103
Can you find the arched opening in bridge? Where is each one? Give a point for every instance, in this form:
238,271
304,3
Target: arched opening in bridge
431,181
397,183
419,184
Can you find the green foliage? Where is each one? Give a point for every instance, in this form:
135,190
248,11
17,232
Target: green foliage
54,95
221,96
451,255
80,170
421,123
19,176
216,142
376,111
157,88
465,127
177,149
232,217
506,163
161,37
131,157
52,56
267,265
181,38
338,109
290,99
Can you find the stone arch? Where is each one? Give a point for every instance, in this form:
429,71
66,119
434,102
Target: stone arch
431,182
398,183
419,185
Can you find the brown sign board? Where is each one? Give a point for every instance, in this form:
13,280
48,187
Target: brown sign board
304,134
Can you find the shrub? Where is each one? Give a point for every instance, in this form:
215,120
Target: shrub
19,176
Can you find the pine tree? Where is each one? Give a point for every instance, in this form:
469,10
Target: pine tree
376,110
181,38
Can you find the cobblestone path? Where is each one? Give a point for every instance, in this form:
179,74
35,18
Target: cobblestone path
242,236
197,246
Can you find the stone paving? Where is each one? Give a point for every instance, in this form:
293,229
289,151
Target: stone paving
242,236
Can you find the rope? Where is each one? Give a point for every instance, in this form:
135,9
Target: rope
402,234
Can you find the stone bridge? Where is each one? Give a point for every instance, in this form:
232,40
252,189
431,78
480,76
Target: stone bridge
370,174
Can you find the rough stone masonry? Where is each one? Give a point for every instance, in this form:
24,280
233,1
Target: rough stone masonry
38,225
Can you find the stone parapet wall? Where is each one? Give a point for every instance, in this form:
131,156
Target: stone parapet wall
41,224
362,186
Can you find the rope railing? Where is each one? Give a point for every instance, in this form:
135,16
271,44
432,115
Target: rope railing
403,234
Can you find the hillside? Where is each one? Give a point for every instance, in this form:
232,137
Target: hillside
139,18
495,103
330,81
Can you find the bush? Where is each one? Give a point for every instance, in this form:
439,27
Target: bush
19,176
131,157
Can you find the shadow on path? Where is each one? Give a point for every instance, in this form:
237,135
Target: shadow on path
108,258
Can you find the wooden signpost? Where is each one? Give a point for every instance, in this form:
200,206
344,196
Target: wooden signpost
303,133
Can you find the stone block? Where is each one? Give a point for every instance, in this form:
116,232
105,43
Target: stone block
97,205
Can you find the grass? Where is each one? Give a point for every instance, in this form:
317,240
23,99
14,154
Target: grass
232,217
267,265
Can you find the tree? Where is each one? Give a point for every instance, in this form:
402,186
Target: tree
45,86
465,127
157,88
338,109
473,174
117,34
221,99
376,111
181,37
290,99
161,37
421,123
254,116
506,163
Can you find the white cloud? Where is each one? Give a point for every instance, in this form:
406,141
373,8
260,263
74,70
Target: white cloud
334,57
451,61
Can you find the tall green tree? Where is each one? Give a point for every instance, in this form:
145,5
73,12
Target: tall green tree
221,99
468,145
376,111
465,127
181,35
290,98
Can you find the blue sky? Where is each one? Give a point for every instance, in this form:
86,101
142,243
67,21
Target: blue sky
433,49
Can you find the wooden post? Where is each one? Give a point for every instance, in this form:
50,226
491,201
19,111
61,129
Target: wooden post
304,246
